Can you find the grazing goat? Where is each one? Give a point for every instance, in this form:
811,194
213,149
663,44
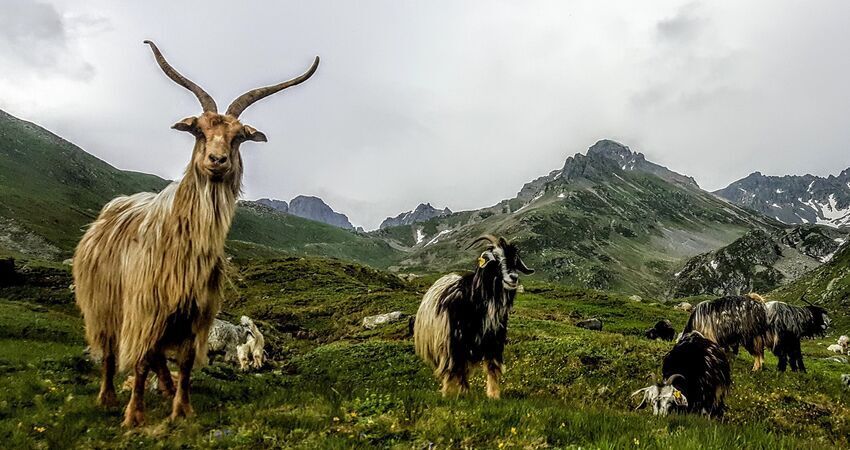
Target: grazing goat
251,353
663,330
844,341
664,397
835,348
704,375
150,271
463,319
593,324
788,324
226,338
684,306
733,321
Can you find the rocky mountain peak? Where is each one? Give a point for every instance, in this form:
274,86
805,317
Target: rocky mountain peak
794,199
308,207
278,205
423,212
603,158
314,208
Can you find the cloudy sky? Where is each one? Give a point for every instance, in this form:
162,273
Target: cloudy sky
453,103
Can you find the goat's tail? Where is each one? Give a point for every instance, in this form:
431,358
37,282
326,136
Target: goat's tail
431,328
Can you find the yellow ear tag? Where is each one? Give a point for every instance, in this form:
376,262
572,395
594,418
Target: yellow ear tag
481,261
677,394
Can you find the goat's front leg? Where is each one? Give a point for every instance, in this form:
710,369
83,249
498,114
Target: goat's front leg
494,375
134,415
181,406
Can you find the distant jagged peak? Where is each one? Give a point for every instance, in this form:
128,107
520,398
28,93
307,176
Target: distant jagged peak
422,213
794,199
314,208
309,207
278,205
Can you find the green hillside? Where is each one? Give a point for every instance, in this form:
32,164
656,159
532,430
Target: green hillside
259,224
330,383
50,189
593,223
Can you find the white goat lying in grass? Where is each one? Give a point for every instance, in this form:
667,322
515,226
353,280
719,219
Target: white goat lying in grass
239,343
836,348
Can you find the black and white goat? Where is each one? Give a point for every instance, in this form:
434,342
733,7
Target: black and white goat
463,319
698,370
788,324
705,373
731,322
664,397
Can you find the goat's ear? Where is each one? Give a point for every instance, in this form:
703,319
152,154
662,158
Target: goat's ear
188,124
250,133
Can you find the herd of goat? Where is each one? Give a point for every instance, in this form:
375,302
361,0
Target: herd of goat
462,322
149,276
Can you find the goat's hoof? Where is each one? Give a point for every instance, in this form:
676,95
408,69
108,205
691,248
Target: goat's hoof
167,392
133,418
107,399
181,410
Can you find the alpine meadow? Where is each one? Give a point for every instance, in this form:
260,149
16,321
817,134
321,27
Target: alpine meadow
424,225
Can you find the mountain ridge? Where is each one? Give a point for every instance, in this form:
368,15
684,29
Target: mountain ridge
794,199
593,223
422,212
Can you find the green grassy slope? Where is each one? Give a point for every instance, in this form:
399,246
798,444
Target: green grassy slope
333,384
262,225
50,188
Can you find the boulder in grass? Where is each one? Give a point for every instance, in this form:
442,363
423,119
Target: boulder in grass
372,322
590,324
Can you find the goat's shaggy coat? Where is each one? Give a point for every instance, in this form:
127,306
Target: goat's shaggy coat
706,372
788,324
150,271
463,320
733,321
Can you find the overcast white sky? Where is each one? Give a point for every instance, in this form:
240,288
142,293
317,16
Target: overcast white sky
453,103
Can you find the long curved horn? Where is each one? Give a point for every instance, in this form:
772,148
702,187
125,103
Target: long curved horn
207,102
641,390
245,100
486,237
669,380
806,301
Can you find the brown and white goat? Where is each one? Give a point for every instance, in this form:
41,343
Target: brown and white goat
149,272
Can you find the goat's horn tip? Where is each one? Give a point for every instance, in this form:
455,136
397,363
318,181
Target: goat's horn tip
147,41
